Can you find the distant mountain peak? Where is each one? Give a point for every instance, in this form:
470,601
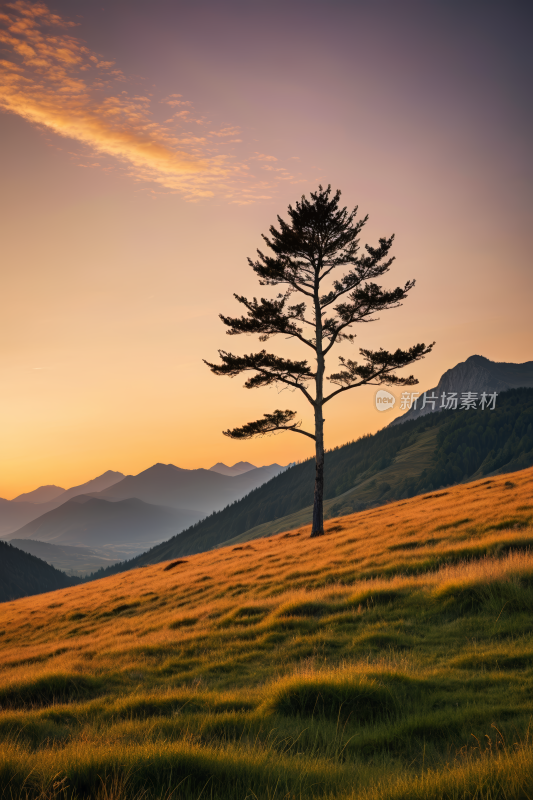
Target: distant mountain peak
41,495
237,469
476,374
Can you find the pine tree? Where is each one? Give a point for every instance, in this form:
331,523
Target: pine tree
319,237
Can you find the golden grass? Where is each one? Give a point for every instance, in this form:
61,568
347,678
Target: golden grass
196,661
409,462
94,621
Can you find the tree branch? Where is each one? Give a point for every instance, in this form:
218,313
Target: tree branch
366,268
267,318
269,368
277,421
378,370
363,304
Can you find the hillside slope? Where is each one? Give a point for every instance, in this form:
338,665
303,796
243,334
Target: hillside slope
460,448
22,574
396,462
388,660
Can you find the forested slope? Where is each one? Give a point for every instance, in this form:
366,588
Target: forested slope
22,575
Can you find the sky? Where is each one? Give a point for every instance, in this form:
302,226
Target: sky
147,146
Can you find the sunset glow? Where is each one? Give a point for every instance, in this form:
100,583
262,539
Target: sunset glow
146,148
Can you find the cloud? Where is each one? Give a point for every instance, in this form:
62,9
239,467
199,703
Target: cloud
52,79
226,132
174,100
263,157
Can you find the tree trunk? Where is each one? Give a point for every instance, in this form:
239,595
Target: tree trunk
318,506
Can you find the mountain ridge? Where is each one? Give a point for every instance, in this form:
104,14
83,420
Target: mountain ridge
42,494
16,513
131,514
237,469
476,374
202,490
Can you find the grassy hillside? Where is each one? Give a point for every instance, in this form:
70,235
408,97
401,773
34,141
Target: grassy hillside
390,659
408,464
397,462
22,574
460,448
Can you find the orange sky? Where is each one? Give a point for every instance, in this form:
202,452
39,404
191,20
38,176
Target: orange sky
147,148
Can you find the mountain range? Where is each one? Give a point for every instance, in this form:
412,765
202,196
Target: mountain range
85,519
122,516
26,507
202,490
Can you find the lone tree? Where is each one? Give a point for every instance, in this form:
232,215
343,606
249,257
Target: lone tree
320,237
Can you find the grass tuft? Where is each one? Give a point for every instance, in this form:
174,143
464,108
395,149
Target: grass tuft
50,690
174,564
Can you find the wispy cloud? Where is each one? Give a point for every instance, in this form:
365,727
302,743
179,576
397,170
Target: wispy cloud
226,132
53,80
263,157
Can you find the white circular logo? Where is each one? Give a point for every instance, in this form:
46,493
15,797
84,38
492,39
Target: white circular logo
384,400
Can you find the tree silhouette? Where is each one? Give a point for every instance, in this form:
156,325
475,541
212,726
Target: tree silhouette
319,238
